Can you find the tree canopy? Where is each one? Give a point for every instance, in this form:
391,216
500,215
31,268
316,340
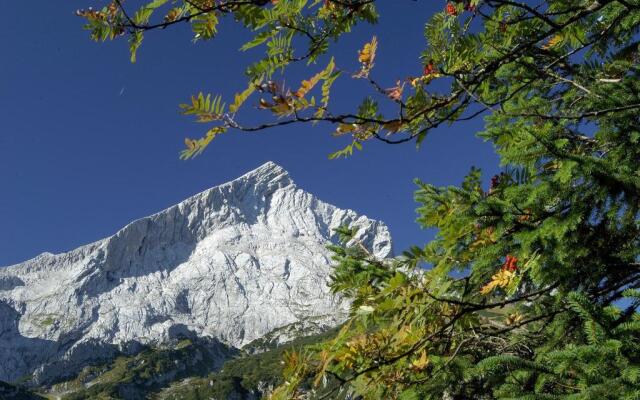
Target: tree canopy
531,290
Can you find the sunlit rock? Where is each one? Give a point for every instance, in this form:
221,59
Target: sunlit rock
232,263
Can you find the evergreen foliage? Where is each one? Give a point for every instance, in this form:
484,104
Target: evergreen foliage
138,376
188,371
11,392
532,285
244,377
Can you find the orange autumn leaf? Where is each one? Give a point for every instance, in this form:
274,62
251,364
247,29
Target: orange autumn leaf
366,56
307,85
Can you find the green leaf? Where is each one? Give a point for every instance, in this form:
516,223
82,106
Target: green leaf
135,40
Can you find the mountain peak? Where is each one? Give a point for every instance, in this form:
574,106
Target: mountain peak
232,263
269,171
270,166
261,182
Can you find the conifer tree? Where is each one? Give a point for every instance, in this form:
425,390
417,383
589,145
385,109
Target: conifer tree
533,281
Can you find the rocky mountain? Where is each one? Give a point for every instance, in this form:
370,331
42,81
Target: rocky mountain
231,265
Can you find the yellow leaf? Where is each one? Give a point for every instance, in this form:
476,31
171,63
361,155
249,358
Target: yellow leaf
486,237
422,362
501,279
172,15
366,56
368,52
240,98
191,144
514,318
552,42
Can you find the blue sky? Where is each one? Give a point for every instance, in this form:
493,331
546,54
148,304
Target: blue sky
89,141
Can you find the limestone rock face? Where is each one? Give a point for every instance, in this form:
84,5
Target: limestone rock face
232,263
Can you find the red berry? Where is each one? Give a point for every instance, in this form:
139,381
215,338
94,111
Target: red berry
510,264
429,69
451,9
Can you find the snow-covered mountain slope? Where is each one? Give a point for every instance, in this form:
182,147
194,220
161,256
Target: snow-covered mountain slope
232,263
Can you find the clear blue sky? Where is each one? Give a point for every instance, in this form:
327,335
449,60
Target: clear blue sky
89,141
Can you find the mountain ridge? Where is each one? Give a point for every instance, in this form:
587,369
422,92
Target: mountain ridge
272,168
233,263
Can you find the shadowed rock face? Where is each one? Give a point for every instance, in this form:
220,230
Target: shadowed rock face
232,263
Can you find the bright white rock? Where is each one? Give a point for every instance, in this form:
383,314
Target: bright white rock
232,263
